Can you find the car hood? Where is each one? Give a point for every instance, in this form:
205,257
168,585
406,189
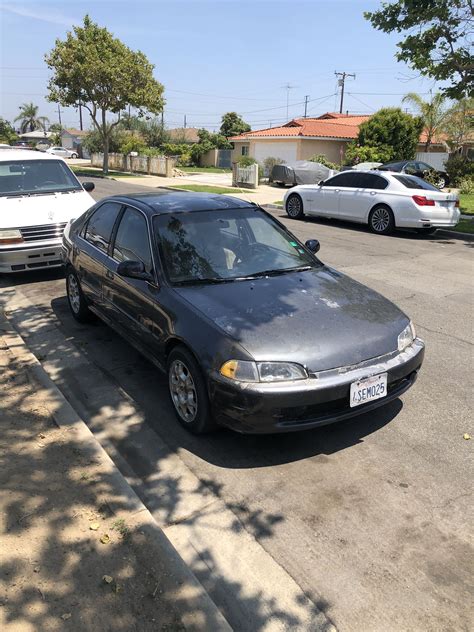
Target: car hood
319,318
50,208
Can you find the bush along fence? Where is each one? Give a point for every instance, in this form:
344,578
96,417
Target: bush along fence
151,165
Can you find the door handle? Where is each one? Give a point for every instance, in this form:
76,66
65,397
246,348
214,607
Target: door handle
372,193
109,274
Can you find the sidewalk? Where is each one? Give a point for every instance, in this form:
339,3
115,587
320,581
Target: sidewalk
77,551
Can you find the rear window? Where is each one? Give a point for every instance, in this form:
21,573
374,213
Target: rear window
412,182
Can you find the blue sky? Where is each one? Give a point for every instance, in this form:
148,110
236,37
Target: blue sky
213,57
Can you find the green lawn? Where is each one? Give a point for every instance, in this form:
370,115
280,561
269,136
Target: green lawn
204,170
204,188
278,203
466,202
464,226
87,171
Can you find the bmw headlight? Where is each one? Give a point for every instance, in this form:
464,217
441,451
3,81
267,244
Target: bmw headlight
407,336
245,371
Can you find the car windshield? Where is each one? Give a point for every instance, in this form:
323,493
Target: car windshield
413,182
235,244
33,177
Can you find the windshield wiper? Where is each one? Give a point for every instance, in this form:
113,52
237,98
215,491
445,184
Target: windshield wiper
272,272
209,281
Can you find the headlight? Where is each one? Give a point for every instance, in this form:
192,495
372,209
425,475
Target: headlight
245,371
407,336
10,236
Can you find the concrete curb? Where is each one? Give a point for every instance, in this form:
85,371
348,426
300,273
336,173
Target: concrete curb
205,612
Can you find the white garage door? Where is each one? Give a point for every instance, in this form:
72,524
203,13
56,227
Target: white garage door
285,150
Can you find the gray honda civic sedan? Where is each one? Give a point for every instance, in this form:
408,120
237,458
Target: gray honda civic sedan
253,331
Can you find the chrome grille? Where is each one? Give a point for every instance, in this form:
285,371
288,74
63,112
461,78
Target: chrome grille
42,233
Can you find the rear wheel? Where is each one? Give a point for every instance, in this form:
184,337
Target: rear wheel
74,156
381,220
441,181
294,206
76,298
188,392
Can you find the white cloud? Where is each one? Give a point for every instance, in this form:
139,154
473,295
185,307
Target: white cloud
39,14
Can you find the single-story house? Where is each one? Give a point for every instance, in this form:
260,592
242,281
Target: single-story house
301,138
71,138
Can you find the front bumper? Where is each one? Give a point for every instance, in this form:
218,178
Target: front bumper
259,408
22,258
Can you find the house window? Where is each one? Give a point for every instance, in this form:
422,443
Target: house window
245,150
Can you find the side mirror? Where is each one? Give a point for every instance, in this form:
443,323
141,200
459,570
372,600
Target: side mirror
321,184
313,245
134,270
88,186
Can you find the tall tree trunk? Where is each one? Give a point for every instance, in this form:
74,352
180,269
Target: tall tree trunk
105,135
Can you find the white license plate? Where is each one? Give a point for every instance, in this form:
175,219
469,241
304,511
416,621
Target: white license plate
367,390
446,203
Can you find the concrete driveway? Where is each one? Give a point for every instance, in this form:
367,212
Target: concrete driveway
365,525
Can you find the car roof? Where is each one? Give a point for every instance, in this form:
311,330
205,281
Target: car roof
164,201
24,154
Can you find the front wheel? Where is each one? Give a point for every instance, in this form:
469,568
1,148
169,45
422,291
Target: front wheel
76,298
74,156
294,206
188,392
381,220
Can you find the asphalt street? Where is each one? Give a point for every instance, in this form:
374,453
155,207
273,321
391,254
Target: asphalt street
371,518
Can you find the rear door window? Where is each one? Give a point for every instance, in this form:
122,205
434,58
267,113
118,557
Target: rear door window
99,227
132,241
371,181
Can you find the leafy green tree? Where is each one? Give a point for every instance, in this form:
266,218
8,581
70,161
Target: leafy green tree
432,112
391,132
7,133
437,39
233,125
459,124
355,154
56,130
95,69
29,119
207,141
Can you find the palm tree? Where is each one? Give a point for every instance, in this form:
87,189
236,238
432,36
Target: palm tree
30,121
432,112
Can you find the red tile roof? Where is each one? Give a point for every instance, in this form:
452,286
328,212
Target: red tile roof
330,125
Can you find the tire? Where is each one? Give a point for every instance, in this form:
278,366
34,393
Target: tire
76,298
426,231
441,182
381,220
294,206
188,392
74,156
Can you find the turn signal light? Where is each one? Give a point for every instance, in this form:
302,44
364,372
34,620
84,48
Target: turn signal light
421,200
10,237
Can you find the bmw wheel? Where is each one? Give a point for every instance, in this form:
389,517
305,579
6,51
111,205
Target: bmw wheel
74,156
441,182
188,392
381,220
76,298
294,206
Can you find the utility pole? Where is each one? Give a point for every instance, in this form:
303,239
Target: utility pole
341,80
185,121
80,116
306,104
59,115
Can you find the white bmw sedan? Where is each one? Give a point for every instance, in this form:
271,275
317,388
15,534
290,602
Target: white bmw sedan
383,200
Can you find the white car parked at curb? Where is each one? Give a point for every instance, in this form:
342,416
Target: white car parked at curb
39,194
62,152
383,200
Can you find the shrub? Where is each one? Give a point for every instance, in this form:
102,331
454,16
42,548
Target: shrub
132,141
356,154
466,186
390,128
458,167
321,158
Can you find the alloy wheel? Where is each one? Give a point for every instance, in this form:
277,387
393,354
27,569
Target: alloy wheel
183,391
380,219
293,207
73,293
